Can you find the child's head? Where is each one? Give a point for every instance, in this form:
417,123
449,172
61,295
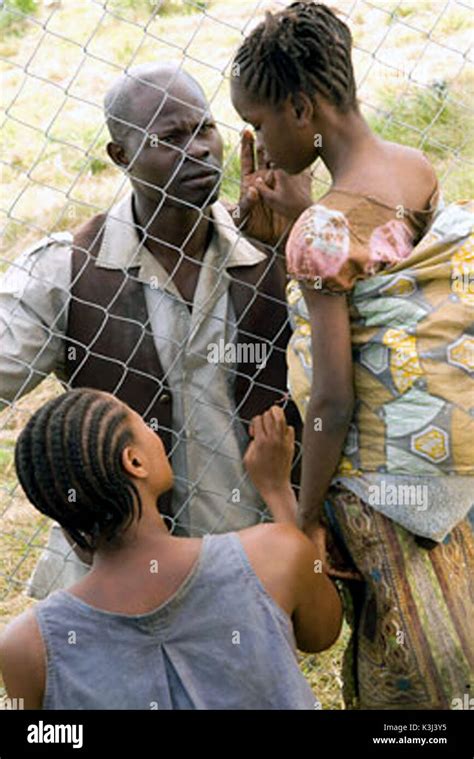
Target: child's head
289,66
85,459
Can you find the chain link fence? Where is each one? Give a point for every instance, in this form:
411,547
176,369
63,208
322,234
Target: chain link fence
414,75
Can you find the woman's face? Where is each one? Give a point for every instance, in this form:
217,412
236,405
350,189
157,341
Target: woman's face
288,140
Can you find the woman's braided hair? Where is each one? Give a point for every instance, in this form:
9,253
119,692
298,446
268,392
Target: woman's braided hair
304,48
68,461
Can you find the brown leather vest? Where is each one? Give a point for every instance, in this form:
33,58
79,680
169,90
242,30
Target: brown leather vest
114,350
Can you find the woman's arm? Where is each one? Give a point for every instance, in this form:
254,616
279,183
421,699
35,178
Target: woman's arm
331,402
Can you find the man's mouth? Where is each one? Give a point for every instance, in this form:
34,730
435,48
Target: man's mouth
203,176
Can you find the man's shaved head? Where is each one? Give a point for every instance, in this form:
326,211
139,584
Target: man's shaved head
136,97
163,134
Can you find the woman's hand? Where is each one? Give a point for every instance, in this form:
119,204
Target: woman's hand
268,460
270,199
317,533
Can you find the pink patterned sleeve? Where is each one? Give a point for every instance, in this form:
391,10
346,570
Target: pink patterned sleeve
323,253
318,248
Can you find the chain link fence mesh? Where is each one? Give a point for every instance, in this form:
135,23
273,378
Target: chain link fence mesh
414,75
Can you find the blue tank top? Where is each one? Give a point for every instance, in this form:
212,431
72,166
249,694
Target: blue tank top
219,642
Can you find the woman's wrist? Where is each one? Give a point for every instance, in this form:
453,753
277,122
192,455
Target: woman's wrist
312,519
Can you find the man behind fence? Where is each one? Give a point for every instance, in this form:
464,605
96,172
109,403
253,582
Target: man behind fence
161,302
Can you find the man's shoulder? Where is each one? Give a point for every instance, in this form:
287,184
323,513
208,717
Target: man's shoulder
51,243
41,261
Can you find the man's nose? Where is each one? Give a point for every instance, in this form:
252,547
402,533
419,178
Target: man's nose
198,148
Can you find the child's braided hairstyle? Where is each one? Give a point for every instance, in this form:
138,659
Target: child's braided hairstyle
68,461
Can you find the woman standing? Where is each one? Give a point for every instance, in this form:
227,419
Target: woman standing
388,435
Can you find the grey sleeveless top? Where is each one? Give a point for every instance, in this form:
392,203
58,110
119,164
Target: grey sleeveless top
220,642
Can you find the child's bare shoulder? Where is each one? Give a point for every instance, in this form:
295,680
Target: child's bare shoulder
23,660
20,636
281,556
279,538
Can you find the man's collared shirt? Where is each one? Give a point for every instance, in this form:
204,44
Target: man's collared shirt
212,491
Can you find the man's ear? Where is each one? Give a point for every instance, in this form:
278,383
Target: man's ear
117,154
132,462
303,108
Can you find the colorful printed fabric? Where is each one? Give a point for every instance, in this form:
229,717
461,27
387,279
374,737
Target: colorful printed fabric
351,237
412,334
412,645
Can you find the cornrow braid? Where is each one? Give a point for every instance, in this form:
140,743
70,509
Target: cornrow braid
68,461
304,48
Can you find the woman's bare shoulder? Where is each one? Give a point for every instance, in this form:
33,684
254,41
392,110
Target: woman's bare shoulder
414,163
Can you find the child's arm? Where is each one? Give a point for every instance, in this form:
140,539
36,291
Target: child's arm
268,461
317,617
23,660
288,564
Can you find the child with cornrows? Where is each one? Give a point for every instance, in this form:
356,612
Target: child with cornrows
162,622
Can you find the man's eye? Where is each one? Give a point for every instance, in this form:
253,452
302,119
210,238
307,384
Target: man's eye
168,138
155,139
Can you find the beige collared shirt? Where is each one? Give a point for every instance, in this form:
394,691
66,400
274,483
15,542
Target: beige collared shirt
212,491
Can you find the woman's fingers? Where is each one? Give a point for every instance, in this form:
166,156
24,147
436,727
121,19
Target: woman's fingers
271,196
261,158
270,179
247,202
247,154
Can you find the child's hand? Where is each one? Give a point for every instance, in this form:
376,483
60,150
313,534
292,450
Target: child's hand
268,460
317,533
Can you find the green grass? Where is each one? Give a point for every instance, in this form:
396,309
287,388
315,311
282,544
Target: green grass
11,15
7,470
453,22
435,120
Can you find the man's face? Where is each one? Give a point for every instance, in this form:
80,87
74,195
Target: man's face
178,148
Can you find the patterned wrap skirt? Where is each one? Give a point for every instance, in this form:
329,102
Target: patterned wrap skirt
412,615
